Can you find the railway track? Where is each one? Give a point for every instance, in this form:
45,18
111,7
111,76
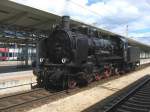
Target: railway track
32,97
24,99
136,100
11,102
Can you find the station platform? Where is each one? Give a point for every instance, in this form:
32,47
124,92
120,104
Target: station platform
81,101
144,61
16,81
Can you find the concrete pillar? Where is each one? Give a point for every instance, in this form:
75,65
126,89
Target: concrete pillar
37,55
15,51
26,55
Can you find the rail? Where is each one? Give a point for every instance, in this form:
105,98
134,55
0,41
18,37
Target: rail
26,98
138,91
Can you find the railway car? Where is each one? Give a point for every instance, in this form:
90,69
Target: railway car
72,57
7,54
13,54
3,54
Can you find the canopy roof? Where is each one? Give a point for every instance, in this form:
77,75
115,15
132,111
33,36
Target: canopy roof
12,13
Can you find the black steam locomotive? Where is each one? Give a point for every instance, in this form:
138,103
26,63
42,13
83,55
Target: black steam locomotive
72,57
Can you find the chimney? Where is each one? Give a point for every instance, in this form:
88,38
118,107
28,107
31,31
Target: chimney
66,22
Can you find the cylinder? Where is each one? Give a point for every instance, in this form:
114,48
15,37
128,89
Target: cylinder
66,22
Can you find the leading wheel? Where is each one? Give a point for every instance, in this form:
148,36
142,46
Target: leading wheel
72,83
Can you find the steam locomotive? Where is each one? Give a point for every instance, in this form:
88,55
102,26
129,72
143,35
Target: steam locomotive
72,57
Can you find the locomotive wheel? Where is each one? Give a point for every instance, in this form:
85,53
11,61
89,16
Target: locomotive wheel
90,79
97,77
72,84
87,77
82,79
107,73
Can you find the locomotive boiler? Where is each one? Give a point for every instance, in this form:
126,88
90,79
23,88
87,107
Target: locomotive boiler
72,57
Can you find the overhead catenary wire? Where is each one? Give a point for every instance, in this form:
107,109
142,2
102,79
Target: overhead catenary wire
95,13
84,8
91,11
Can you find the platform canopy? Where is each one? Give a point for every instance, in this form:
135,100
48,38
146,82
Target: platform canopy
37,21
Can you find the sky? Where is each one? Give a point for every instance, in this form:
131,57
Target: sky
112,15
